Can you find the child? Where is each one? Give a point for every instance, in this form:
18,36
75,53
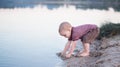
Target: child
87,33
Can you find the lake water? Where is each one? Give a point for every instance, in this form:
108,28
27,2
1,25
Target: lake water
51,4
29,36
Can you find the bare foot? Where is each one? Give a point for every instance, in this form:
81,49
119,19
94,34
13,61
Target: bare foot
80,52
84,54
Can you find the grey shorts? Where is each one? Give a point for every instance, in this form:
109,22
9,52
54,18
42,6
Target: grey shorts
90,36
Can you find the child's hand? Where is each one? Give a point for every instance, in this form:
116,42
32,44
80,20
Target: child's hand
62,53
68,55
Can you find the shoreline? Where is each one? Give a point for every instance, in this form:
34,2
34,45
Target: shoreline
103,53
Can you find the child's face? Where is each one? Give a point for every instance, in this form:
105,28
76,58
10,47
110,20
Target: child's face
66,33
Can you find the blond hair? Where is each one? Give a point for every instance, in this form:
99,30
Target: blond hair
64,26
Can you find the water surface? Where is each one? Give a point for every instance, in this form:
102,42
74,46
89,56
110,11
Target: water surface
51,4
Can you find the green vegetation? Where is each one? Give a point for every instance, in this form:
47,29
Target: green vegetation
109,29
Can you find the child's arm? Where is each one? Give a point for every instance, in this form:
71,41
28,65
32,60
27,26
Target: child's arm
73,45
67,46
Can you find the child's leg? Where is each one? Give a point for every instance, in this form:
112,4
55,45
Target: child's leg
86,50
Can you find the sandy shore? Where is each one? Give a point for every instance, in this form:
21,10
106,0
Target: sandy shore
104,53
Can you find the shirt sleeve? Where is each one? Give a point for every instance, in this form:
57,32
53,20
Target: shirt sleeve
72,39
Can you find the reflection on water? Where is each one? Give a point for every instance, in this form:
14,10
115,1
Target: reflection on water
29,37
